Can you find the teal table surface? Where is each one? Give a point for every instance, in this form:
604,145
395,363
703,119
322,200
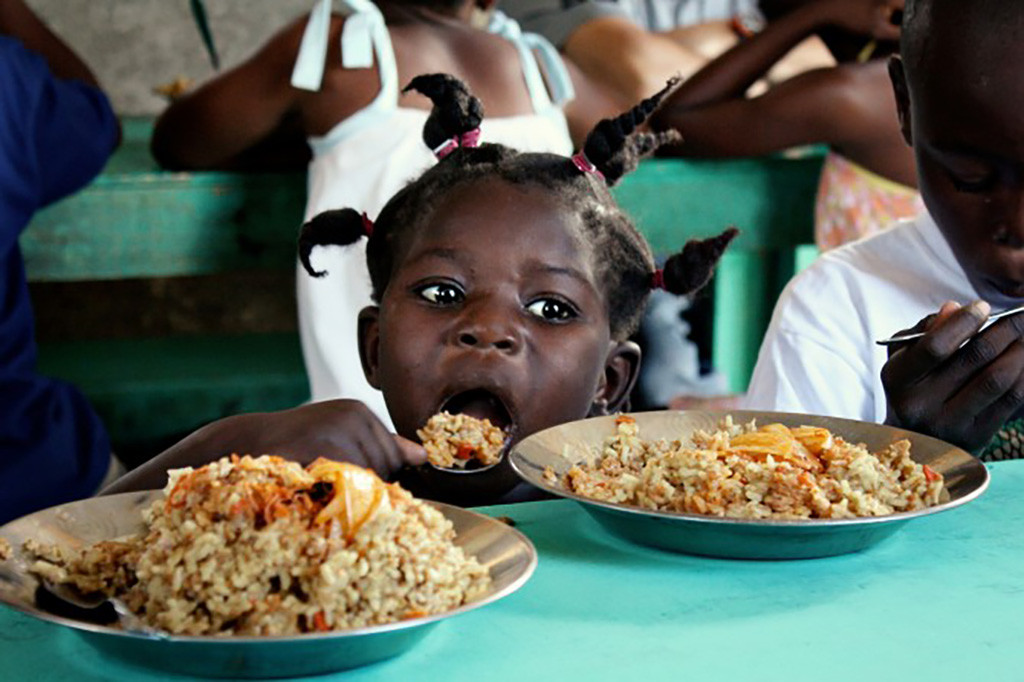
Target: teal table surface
943,599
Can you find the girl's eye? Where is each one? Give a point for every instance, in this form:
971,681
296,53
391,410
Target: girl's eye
552,310
442,294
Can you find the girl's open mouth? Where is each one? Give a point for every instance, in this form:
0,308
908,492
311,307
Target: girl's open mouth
482,404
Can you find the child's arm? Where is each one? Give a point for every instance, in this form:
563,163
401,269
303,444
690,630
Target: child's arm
627,59
19,21
345,430
594,101
250,111
824,105
960,393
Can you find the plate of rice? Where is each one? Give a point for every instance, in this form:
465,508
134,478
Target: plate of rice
257,567
748,484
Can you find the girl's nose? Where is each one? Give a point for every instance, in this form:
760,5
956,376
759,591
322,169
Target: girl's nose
488,330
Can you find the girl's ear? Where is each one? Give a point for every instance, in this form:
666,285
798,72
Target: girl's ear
899,85
369,343
621,369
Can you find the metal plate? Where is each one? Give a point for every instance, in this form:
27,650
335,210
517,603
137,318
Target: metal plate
509,556
562,446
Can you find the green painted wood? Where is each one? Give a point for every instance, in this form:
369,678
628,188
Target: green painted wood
940,600
743,305
804,255
770,200
148,389
138,221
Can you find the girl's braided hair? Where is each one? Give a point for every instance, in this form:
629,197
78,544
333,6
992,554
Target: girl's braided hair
625,262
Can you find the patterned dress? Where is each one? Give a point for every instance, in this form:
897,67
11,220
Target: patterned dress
853,202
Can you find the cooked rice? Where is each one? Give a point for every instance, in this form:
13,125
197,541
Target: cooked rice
454,440
747,472
261,546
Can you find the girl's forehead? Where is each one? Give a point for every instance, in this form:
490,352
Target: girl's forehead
495,215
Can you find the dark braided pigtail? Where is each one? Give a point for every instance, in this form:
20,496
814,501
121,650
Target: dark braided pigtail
340,227
691,268
615,148
456,111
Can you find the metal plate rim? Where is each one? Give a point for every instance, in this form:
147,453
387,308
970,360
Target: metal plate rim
528,471
446,509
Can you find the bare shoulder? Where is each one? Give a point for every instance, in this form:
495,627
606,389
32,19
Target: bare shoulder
489,64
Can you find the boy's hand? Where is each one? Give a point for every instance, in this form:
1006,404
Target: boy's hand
345,430
962,395
873,18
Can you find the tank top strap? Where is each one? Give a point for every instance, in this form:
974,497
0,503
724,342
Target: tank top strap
526,43
364,35
562,90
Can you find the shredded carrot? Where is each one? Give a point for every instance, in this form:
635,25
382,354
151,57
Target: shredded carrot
320,622
930,474
465,452
624,419
179,492
414,613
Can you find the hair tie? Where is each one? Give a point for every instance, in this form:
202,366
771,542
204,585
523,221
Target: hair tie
658,279
584,165
470,138
367,225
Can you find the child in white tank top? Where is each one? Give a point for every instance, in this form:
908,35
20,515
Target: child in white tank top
291,97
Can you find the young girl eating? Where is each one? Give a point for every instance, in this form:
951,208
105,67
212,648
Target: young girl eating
506,286
327,90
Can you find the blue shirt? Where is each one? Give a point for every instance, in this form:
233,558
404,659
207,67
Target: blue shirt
55,136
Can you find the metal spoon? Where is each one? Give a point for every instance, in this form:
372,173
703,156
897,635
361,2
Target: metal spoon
64,600
479,469
903,338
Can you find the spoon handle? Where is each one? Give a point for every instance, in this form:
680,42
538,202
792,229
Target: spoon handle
903,338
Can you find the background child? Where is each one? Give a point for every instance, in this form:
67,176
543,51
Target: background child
506,286
959,89
56,131
364,133
868,179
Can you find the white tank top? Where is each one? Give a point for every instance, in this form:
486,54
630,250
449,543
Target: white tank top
365,159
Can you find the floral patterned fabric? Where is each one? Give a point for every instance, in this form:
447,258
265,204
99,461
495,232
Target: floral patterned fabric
853,202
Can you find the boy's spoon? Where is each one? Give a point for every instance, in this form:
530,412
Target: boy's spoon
903,338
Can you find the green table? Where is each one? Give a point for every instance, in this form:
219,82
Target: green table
943,599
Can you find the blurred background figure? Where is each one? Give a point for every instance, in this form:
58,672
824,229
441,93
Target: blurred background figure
868,181
57,131
633,46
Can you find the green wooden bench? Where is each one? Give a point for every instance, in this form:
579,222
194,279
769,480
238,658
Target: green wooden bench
153,377
771,201
138,226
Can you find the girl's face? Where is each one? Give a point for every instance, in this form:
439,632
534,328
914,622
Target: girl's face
494,310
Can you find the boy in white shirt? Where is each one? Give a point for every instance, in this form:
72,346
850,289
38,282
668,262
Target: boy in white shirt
958,88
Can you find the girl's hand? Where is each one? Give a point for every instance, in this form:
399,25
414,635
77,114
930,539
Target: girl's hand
954,385
345,430
873,18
